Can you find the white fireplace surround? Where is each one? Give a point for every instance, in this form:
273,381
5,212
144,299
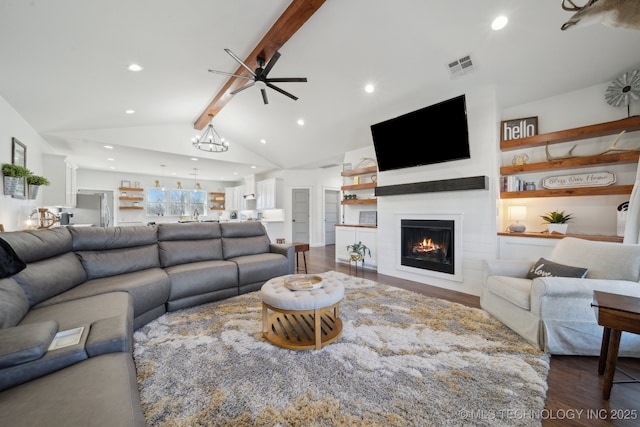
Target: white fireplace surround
457,242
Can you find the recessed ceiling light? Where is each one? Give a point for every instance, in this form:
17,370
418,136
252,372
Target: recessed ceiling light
369,88
499,23
194,159
253,167
108,147
112,167
111,159
134,67
264,141
301,122
129,111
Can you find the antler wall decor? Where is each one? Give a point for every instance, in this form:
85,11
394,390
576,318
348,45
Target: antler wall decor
609,149
612,13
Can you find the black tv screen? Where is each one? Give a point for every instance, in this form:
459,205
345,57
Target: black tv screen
434,134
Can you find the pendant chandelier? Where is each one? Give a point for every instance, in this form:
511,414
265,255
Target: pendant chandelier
210,140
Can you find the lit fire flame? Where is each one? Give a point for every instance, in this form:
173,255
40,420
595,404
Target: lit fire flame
426,245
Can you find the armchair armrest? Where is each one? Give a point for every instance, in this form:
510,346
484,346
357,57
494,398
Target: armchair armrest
569,298
505,267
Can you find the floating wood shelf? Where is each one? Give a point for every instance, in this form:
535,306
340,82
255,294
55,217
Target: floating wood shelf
546,235
567,192
130,189
361,171
359,186
360,202
629,124
130,208
575,162
136,199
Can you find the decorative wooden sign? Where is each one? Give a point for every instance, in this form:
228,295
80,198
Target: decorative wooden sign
518,128
594,179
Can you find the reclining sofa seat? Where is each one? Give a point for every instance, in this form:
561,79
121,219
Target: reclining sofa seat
554,314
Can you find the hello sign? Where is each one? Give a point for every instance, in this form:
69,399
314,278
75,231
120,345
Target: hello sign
518,128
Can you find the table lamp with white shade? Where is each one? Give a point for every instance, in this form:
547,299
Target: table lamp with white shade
517,213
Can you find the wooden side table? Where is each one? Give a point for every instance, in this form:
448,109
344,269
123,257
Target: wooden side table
301,247
617,314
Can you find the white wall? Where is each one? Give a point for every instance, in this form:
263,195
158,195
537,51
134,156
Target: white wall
12,125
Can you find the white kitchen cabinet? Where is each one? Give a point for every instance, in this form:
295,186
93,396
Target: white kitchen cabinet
61,174
348,235
267,192
234,198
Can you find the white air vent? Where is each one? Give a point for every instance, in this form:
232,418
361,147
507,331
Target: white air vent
460,66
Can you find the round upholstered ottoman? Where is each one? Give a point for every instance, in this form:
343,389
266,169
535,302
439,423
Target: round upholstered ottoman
301,319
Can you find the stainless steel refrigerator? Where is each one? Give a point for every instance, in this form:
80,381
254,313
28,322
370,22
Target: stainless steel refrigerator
92,209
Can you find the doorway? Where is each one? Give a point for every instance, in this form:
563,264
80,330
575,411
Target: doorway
300,216
331,215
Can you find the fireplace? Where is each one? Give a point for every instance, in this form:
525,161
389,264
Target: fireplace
428,244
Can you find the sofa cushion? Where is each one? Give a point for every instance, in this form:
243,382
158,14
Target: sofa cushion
605,260
13,303
49,277
105,263
105,238
240,246
189,231
10,262
25,343
34,245
545,268
188,251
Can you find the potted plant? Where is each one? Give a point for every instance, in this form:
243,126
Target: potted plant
35,181
557,221
14,179
357,251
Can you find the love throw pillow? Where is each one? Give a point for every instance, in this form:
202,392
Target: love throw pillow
10,262
546,268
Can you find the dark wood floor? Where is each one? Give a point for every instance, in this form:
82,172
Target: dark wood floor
574,396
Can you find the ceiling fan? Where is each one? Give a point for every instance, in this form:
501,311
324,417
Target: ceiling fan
259,76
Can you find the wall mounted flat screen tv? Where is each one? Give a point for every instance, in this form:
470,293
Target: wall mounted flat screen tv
434,134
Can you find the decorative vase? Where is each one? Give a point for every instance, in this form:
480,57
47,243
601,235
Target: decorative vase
33,191
13,186
355,256
557,228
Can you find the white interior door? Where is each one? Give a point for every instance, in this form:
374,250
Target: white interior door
300,216
331,215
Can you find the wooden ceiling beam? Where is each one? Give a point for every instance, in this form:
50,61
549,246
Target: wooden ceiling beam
291,20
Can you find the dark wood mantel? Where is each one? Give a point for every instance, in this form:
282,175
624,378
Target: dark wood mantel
454,184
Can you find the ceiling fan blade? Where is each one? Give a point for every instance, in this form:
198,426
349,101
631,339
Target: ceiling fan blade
231,74
277,89
233,55
287,79
264,95
247,86
271,63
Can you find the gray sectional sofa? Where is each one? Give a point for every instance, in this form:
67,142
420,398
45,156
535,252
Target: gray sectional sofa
110,281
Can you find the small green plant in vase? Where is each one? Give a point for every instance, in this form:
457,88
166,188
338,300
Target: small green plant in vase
557,221
357,251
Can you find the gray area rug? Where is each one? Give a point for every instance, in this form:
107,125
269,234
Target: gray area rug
403,359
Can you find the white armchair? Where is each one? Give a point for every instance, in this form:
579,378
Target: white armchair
554,314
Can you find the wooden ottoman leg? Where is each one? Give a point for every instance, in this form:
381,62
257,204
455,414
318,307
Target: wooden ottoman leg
265,320
317,328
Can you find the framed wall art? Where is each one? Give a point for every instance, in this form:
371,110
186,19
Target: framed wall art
18,153
19,157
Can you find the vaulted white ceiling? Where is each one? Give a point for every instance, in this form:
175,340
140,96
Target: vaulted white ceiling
64,69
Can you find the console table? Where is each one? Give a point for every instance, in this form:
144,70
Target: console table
617,314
